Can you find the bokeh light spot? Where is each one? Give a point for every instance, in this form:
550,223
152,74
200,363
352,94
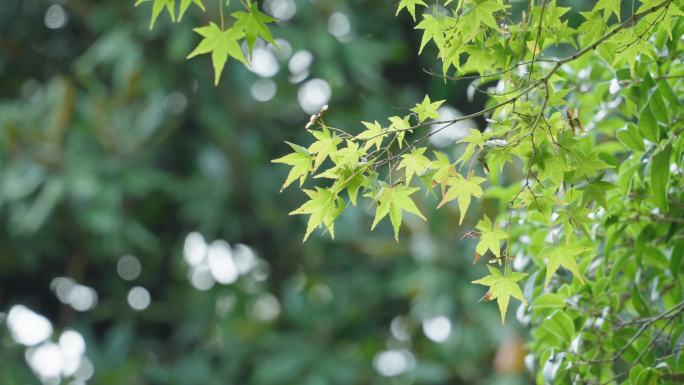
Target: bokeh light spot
28,327
437,328
139,298
55,17
128,267
313,95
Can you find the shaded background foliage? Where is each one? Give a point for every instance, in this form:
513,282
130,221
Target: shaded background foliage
112,144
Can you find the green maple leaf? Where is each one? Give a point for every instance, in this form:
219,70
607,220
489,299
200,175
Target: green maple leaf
451,54
394,201
410,6
427,109
671,14
325,145
564,256
348,172
481,13
485,13
414,163
462,189
253,24
553,168
443,168
158,7
400,126
496,158
373,135
323,208
609,7
502,287
221,44
592,28
490,237
349,155
432,30
352,178
587,165
185,4
301,162
478,58
474,140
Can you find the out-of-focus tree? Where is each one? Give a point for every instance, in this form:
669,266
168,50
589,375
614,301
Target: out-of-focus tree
125,174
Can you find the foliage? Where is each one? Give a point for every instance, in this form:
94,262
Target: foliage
571,190
219,40
111,144
588,108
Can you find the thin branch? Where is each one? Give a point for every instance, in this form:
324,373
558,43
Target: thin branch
645,323
492,75
536,41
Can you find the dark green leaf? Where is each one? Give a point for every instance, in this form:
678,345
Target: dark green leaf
660,178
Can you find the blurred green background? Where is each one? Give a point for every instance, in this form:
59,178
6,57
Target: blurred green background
143,238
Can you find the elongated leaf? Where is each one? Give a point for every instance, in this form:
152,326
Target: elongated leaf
648,125
660,178
630,137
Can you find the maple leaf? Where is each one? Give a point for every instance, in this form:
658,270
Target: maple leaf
553,168
394,201
564,256
485,12
502,287
185,4
410,6
587,165
323,208
325,145
158,7
490,237
400,126
348,172
609,7
221,44
170,5
373,135
347,155
432,30
301,162
351,178
414,163
443,168
253,24
427,109
481,13
474,140
462,189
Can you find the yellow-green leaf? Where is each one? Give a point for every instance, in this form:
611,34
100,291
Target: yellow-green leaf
221,44
323,207
563,255
462,189
410,6
490,237
502,287
301,162
427,109
394,201
414,163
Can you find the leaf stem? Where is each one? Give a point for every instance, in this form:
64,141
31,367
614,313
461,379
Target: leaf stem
221,13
